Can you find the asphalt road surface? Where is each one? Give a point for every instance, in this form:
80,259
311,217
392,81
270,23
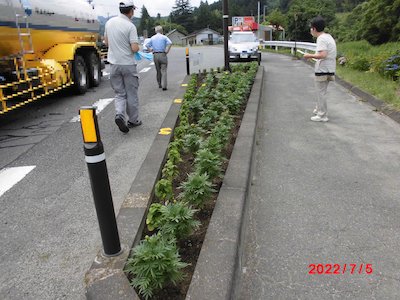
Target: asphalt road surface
49,232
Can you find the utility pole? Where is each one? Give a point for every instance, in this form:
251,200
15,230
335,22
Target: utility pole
226,34
264,11
258,21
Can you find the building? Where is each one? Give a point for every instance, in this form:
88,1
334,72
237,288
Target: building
204,36
176,37
269,33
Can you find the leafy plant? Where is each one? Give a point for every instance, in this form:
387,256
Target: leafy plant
163,189
213,144
155,262
360,64
208,162
197,189
177,220
170,170
208,119
192,142
174,155
392,66
154,216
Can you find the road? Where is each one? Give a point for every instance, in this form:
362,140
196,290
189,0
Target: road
49,230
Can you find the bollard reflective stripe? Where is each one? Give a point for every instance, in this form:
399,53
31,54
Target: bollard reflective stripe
95,159
88,124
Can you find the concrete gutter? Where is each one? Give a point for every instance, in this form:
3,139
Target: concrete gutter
379,104
219,260
106,278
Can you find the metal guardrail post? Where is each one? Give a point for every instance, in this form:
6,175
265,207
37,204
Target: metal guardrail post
96,162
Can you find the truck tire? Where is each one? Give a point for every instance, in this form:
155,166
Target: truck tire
94,69
80,75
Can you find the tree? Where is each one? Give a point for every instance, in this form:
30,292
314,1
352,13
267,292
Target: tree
182,14
380,21
202,16
146,25
276,19
302,11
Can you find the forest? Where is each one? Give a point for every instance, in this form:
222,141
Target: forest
376,21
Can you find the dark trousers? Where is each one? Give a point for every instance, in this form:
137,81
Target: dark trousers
161,63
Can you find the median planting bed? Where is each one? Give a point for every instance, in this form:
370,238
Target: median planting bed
162,264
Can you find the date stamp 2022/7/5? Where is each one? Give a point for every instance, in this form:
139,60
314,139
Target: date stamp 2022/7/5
337,269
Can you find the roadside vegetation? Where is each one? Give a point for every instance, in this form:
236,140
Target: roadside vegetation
186,193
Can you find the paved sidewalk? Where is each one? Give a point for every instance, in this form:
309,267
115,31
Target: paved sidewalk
322,193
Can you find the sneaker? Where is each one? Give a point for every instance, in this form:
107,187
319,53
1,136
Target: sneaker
319,118
119,120
315,111
134,124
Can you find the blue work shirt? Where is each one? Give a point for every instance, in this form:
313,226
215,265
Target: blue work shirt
158,43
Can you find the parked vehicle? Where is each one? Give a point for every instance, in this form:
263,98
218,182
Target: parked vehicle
46,46
244,45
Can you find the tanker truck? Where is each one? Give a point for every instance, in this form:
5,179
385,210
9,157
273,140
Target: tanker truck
46,46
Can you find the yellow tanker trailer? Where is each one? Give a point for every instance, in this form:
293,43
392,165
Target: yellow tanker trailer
46,46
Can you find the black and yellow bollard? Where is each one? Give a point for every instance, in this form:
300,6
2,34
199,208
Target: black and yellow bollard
187,62
96,162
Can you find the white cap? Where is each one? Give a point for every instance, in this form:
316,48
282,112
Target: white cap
127,4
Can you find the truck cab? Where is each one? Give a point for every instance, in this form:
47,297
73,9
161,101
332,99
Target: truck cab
244,46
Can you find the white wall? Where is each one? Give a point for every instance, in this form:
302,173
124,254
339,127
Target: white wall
204,36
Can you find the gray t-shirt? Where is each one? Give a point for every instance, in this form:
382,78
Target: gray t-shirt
120,33
325,42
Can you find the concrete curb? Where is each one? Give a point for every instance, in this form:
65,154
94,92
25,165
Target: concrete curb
220,256
379,104
106,279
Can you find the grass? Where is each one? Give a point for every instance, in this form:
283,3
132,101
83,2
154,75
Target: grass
374,84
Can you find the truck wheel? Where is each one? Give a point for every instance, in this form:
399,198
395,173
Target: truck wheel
94,69
80,75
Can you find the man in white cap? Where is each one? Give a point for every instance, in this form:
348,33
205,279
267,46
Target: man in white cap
122,41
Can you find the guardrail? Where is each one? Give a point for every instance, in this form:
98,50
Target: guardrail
288,44
293,45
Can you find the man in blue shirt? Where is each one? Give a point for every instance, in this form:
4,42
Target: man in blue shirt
160,45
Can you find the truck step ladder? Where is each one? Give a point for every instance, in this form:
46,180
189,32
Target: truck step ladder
24,34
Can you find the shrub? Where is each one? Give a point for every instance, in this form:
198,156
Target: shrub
392,66
155,262
360,64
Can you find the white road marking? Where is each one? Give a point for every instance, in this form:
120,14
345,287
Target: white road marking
144,70
101,104
11,176
152,63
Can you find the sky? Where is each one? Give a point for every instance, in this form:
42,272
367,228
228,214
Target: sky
164,7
